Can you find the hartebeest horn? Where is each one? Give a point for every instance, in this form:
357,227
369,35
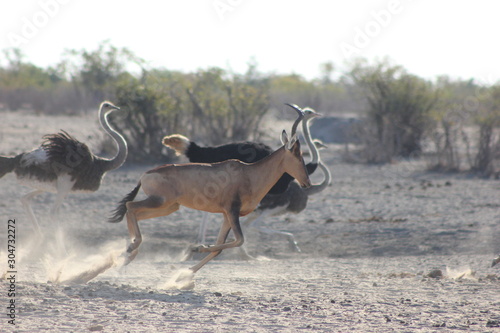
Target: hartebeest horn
301,115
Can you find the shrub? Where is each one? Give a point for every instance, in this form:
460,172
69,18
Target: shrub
399,105
208,105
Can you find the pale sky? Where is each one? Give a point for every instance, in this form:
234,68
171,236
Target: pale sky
428,38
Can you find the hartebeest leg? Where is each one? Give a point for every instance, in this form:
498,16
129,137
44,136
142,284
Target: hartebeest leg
224,231
231,221
140,210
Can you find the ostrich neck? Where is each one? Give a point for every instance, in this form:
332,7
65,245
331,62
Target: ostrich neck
320,187
120,157
310,144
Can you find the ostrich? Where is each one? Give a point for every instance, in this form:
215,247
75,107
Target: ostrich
63,164
248,152
293,200
231,187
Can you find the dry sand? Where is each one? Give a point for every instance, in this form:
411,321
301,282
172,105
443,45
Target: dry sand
369,243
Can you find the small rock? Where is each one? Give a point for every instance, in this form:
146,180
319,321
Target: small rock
96,328
287,308
495,261
493,323
217,294
435,274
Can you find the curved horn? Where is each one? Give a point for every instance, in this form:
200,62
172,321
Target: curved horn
301,115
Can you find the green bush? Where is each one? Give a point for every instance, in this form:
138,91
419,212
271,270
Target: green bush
399,106
208,106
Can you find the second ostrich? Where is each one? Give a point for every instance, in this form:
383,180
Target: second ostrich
62,164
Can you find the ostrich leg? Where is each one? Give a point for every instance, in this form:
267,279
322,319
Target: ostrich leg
26,201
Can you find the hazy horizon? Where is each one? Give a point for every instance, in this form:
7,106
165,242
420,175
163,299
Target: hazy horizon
429,39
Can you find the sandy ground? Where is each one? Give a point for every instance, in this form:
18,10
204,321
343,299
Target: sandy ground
372,245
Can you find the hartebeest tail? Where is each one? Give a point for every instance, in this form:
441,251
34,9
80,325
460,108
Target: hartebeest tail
121,209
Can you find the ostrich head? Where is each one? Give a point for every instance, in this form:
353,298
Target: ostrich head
107,106
310,114
319,144
177,142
